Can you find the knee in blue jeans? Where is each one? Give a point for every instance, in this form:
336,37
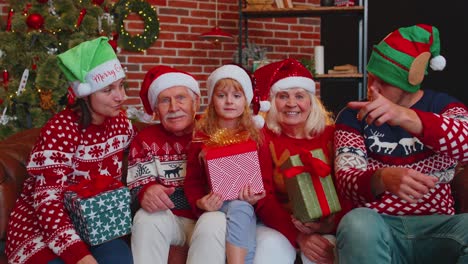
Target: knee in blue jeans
363,226
239,207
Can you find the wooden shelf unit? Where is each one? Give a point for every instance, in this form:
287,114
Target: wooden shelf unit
360,10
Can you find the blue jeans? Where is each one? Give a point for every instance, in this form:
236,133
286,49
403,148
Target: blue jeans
241,226
365,236
112,252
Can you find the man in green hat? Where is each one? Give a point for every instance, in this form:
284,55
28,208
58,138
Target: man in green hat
396,155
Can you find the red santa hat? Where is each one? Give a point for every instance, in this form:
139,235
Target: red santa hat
280,76
160,78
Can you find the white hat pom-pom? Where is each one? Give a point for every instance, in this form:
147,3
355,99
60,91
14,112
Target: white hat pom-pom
83,89
438,63
264,106
258,121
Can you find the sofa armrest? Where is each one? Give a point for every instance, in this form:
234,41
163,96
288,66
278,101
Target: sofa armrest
14,152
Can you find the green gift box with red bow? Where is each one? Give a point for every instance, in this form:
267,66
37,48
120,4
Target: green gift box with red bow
310,187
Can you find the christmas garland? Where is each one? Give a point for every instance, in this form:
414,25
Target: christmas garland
138,42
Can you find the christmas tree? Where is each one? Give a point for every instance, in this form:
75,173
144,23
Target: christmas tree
36,31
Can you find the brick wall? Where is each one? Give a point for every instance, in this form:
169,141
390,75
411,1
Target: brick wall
179,45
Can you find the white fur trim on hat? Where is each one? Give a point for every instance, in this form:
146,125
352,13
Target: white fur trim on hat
232,72
169,80
99,78
293,82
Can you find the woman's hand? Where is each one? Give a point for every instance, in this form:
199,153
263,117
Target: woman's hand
88,259
210,202
316,248
322,226
246,195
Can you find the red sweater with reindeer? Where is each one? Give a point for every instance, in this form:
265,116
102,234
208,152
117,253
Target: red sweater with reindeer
157,156
40,228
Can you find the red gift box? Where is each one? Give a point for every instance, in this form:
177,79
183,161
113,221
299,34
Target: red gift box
231,167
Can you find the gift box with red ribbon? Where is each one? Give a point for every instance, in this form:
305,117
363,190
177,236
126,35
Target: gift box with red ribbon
231,167
99,209
310,186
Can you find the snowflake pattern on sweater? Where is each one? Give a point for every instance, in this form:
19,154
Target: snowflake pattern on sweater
157,156
361,149
40,227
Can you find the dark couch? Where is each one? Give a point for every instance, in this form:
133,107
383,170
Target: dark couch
14,152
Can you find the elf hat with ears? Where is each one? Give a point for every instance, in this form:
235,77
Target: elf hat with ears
401,58
280,76
160,78
90,66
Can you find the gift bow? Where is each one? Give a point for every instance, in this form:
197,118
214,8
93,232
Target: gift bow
94,186
312,165
317,169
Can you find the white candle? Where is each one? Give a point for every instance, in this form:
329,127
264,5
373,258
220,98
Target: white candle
318,58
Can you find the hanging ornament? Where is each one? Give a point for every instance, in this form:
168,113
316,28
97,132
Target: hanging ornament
4,117
52,8
47,103
71,97
6,79
10,16
98,2
1,101
105,17
26,9
34,63
23,81
35,21
51,50
80,18
42,1
113,42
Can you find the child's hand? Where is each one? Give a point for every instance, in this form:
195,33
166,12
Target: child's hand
210,202
246,195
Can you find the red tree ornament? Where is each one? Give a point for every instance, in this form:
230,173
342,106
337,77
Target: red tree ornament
10,16
80,18
113,44
42,1
98,2
35,21
113,41
6,79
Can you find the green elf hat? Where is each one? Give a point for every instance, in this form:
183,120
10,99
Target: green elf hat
90,66
401,58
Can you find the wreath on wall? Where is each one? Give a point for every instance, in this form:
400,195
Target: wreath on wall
137,42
